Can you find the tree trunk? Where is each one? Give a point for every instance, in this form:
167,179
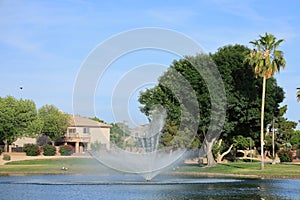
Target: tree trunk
206,150
210,159
221,156
262,166
5,145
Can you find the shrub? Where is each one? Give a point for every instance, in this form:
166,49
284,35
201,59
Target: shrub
285,155
49,150
0,151
31,150
66,150
6,157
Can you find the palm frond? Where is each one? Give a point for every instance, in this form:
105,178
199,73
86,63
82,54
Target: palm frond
266,59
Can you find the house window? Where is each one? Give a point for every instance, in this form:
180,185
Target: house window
72,130
86,130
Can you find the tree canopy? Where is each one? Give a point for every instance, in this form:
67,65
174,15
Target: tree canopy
266,58
16,117
163,94
55,122
242,93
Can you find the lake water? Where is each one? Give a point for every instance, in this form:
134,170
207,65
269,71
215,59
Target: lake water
61,187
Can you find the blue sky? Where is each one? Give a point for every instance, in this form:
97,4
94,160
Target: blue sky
44,43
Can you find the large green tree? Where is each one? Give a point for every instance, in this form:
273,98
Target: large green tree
16,117
54,122
243,94
266,60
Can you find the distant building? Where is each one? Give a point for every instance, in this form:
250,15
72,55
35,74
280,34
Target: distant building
81,133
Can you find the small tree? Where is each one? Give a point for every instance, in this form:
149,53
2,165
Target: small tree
16,117
55,123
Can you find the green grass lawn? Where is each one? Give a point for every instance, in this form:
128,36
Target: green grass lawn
54,166
90,166
240,168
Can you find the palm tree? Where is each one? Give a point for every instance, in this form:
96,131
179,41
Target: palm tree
298,94
266,61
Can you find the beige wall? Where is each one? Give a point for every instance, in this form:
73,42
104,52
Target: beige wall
101,135
79,132
20,142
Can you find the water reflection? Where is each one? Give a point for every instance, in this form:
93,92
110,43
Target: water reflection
134,187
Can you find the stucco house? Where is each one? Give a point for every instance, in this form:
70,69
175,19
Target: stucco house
81,133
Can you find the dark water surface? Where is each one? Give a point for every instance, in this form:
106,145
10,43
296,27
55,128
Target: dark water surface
61,187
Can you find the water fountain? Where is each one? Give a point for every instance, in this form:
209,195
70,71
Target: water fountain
145,157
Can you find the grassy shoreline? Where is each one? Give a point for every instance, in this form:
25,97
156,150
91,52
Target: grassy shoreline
92,166
244,170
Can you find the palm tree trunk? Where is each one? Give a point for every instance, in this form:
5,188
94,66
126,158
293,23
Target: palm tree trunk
262,166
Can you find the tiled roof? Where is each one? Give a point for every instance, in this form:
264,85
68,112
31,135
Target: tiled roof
78,121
